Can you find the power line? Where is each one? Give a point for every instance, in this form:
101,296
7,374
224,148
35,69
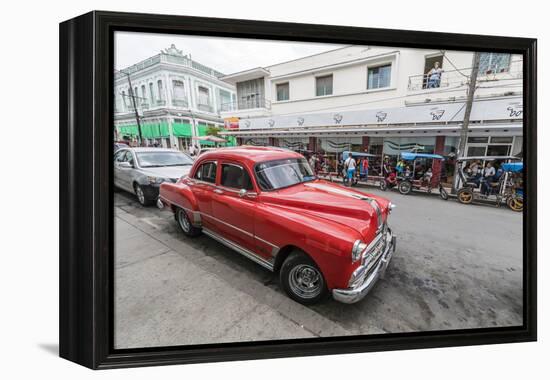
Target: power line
132,95
453,65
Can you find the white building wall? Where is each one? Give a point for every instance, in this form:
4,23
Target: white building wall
349,67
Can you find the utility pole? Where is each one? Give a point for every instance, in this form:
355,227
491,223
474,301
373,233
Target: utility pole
132,95
466,122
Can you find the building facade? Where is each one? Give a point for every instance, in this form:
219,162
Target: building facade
177,100
380,100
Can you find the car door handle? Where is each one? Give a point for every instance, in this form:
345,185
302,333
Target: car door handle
218,191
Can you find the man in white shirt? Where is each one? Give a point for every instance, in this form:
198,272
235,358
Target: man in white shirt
350,166
489,170
488,174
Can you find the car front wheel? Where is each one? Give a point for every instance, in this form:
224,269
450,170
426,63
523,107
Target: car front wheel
302,280
140,194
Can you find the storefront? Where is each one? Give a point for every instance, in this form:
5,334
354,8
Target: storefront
495,129
159,132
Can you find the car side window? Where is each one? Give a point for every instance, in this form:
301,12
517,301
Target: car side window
236,177
206,172
129,157
119,156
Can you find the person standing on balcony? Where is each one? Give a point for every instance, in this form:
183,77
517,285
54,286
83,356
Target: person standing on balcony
434,76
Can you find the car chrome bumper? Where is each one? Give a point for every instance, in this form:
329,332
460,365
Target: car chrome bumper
352,295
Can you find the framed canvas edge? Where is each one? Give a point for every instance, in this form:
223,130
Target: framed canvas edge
86,215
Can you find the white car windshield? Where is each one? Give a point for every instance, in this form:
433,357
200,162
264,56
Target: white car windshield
160,159
273,175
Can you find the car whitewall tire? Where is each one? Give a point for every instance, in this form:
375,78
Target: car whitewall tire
185,224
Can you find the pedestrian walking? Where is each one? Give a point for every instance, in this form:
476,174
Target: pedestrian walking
365,168
350,165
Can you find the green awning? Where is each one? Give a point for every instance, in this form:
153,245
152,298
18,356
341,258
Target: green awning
148,130
156,130
182,130
202,129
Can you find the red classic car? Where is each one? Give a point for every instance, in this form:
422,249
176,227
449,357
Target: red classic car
266,204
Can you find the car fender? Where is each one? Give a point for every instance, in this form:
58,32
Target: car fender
140,178
326,242
180,195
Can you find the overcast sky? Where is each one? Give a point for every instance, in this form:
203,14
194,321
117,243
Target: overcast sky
228,55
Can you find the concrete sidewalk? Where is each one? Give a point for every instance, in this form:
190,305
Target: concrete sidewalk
169,293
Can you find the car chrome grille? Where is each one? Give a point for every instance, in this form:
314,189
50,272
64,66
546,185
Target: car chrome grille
373,253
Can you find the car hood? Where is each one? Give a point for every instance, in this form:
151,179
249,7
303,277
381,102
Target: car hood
172,172
336,203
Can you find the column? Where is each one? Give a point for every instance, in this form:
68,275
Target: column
312,145
437,165
172,138
167,90
365,144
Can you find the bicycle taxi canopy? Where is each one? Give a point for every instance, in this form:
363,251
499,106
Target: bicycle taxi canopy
513,167
489,158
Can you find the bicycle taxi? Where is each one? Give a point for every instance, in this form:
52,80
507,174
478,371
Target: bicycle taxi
507,188
413,180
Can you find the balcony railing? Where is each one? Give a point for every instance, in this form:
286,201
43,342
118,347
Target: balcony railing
168,58
245,104
456,78
447,79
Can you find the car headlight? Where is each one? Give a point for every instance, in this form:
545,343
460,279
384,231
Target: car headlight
357,250
153,180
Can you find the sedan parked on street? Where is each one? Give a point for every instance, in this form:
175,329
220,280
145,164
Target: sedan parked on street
267,204
141,170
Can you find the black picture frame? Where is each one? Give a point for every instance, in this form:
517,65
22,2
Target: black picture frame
86,192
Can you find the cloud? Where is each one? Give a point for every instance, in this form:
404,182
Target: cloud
227,55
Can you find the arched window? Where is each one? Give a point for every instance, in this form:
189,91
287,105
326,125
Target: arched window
179,89
160,89
143,93
151,94
124,99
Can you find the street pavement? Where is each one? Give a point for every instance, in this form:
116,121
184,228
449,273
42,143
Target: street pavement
455,267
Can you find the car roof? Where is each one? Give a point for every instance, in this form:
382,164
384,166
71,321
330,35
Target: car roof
251,154
150,149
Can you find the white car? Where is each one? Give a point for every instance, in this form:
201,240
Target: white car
141,170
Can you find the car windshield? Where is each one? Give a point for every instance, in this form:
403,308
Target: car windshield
160,159
273,175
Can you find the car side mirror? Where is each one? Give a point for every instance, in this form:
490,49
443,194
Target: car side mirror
125,165
242,193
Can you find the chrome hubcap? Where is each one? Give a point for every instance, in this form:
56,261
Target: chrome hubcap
305,281
183,221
